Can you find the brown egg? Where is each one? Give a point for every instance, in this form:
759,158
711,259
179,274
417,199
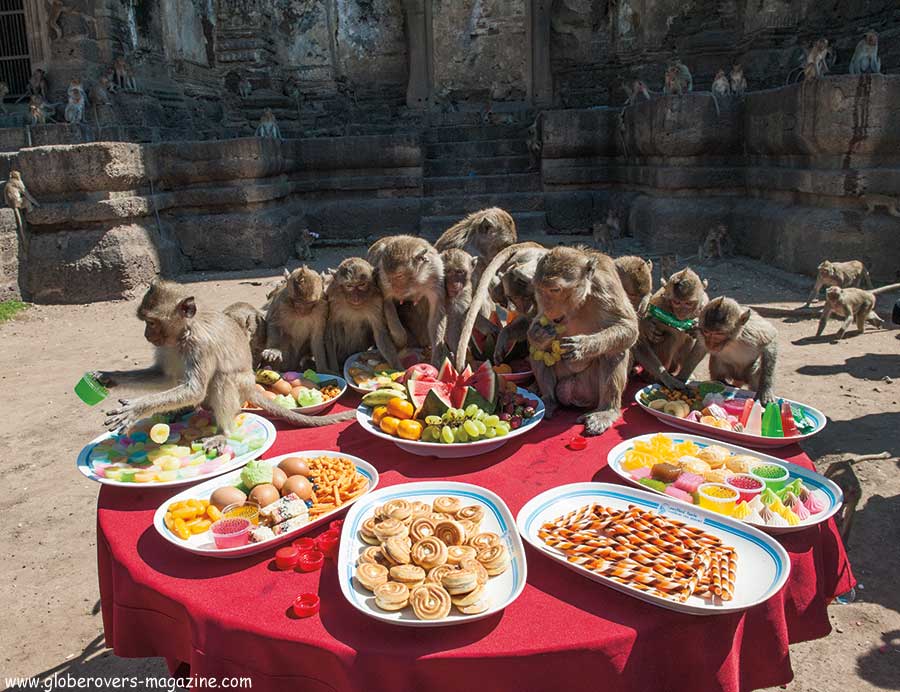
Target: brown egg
299,485
264,494
278,478
294,466
226,495
281,387
269,395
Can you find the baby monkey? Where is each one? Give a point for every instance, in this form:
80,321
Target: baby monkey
459,268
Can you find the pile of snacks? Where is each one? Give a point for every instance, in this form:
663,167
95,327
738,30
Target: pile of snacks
645,551
138,456
296,390
190,517
429,557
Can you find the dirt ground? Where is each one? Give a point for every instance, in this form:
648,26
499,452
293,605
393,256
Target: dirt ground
48,539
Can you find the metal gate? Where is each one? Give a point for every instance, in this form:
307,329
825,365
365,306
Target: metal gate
15,60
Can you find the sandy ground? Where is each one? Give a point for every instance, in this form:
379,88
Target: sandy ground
48,539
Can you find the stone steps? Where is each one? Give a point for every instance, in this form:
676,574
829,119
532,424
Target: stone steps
484,166
472,133
477,149
431,227
482,184
465,204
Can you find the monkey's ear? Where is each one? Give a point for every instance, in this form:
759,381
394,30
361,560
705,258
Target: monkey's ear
187,307
744,317
705,283
421,255
287,274
590,268
649,264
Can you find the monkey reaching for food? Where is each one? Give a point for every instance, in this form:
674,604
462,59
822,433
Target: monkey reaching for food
841,274
865,58
295,321
853,304
206,356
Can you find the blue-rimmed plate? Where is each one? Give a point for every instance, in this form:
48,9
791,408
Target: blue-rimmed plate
762,564
202,543
502,589
826,490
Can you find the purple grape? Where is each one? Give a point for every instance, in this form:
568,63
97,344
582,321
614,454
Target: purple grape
528,412
510,409
505,416
515,422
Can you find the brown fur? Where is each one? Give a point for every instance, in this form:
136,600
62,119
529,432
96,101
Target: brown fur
253,322
841,274
715,244
459,267
295,321
482,234
636,275
853,304
19,200
738,80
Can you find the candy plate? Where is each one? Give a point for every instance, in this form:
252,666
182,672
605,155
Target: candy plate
315,408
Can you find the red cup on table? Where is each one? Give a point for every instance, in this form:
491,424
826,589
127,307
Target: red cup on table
328,543
286,558
304,544
305,605
310,560
578,443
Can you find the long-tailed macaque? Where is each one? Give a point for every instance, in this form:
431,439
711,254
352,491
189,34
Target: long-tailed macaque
37,85
75,107
356,315
636,275
841,274
873,201
721,87
124,76
605,232
268,126
100,92
205,357
678,79
669,355
865,58
245,87
853,304
482,234
580,291
715,244
814,63
19,200
459,266
637,89
253,322
738,80
742,346
295,321
410,269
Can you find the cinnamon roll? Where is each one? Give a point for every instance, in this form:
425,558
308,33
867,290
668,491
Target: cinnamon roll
484,540
390,528
430,602
495,559
411,575
421,527
429,553
457,553
372,555
369,575
475,566
446,505
474,513
396,509
459,581
391,596
450,532
437,574
367,531
396,550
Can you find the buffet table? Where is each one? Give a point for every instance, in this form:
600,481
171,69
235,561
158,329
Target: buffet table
233,617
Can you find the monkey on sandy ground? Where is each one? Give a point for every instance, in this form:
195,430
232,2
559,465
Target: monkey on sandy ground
304,246
482,234
678,79
268,127
738,80
515,267
865,58
37,85
205,355
715,244
75,107
124,74
253,322
636,275
459,268
670,355
19,200
4,90
890,204
841,274
853,304
579,291
410,269
605,232
295,321
245,88
742,346
637,89
356,315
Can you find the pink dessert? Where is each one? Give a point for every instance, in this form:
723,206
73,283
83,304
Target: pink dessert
689,482
230,532
747,486
642,472
679,494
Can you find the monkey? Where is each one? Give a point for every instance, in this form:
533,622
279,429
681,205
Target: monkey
636,275
855,305
245,88
268,127
535,142
356,315
57,9
865,58
123,74
814,63
75,108
678,79
4,90
669,355
482,233
605,232
100,92
742,346
635,90
712,244
841,274
459,267
19,200
110,76
580,291
76,85
205,354
304,245
410,269
891,204
295,321
721,86
253,322
738,80
37,85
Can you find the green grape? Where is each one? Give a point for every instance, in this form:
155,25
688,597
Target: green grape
447,434
471,427
433,420
481,415
431,433
460,435
447,416
501,431
503,425
490,433
491,421
471,410
482,428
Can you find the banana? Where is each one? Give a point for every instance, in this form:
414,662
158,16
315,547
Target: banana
267,377
381,396
394,385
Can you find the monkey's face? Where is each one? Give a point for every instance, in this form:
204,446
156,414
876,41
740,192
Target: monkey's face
305,290
356,292
557,297
455,281
872,39
404,274
833,294
165,319
519,290
720,322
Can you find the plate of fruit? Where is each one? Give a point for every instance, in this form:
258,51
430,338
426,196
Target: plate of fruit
308,392
448,414
728,413
771,494
368,370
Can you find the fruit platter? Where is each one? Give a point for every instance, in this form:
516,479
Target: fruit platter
680,558
431,554
368,370
168,450
266,503
448,414
728,413
772,495
308,392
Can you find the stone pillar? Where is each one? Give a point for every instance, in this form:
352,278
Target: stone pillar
38,38
418,88
540,82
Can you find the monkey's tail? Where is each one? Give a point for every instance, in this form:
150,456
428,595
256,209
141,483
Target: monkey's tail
884,289
867,278
298,419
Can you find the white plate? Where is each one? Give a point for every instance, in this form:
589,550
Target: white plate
457,450
202,543
502,589
812,480
762,564
731,436
84,465
351,361
315,408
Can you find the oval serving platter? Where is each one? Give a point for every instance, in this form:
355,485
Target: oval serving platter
315,408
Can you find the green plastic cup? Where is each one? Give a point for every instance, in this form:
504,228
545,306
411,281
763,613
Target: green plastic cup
90,391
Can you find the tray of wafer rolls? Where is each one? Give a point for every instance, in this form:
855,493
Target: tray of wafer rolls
680,558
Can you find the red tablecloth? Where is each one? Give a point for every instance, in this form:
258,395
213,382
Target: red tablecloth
230,617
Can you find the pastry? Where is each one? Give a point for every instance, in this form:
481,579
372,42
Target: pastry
367,531
391,596
714,455
437,574
693,465
430,602
468,599
479,606
421,527
460,581
396,509
373,555
287,507
470,527
447,505
390,528
473,565
260,534
419,509
438,517
474,513
291,524
495,559
717,475
411,575
370,575
429,553
457,553
450,532
396,550
740,463
484,540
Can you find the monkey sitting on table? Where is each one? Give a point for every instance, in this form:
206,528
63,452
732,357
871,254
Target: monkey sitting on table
205,355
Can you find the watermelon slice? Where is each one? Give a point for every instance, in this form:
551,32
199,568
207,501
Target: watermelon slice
435,404
447,373
418,391
419,371
452,388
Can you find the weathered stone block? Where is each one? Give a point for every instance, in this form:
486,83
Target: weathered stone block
60,171
674,224
9,256
685,125
569,211
362,218
579,133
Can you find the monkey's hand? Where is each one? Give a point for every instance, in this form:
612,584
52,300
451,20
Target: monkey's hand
574,348
653,331
104,378
671,381
540,335
765,397
217,443
598,422
272,356
124,417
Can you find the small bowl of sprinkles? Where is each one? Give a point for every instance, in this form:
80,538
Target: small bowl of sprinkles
717,497
773,475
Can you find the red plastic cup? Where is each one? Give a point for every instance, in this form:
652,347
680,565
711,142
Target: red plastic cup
304,544
747,486
336,525
578,443
328,543
310,560
305,605
230,532
286,558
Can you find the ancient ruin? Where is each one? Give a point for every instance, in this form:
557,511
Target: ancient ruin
399,116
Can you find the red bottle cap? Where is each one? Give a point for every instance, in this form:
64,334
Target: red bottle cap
302,544
336,525
286,558
578,443
306,604
310,560
328,543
